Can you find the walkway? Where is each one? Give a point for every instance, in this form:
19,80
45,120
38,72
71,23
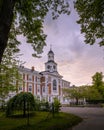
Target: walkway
93,117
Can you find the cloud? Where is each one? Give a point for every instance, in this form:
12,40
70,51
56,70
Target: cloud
77,61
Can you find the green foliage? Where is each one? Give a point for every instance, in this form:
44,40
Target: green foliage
57,105
9,75
91,93
98,83
97,79
91,13
37,104
74,93
47,106
44,105
23,101
28,18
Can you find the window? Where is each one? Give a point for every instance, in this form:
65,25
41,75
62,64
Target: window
38,79
43,88
20,88
54,85
49,79
59,81
30,77
49,67
38,89
30,88
49,99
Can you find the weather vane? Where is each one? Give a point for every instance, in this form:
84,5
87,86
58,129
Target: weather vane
50,46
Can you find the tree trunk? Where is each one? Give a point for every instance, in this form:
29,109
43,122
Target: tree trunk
6,18
24,107
77,101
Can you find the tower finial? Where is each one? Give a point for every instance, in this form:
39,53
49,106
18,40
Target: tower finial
50,46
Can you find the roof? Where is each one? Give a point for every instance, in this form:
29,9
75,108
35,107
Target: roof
55,73
51,61
27,70
50,52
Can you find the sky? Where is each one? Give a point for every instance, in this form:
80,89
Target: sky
77,61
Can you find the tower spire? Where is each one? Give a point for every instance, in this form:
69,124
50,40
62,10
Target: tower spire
51,47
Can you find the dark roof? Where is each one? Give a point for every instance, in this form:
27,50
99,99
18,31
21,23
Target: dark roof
51,61
50,52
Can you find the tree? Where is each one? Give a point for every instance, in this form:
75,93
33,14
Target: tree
91,13
91,93
97,79
95,92
23,101
26,17
98,83
74,93
9,75
57,105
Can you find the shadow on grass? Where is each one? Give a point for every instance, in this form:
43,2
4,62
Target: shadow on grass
59,122
22,116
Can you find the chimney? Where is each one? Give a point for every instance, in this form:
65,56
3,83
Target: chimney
32,68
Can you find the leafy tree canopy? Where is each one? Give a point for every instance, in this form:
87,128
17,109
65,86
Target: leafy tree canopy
26,17
91,93
91,13
97,79
75,93
98,83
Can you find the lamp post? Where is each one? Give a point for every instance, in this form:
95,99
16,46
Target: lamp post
28,113
53,111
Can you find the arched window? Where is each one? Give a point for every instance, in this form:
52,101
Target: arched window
54,85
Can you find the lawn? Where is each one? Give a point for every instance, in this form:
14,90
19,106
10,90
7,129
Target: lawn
39,121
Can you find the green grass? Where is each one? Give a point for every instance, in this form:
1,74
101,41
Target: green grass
39,121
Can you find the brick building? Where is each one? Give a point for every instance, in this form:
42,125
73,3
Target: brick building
47,84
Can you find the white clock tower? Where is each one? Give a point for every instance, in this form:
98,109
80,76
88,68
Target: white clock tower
50,65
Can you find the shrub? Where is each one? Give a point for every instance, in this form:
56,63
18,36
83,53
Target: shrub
23,101
57,105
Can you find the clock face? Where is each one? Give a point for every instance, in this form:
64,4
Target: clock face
48,66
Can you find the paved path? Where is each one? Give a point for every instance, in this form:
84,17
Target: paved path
93,117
